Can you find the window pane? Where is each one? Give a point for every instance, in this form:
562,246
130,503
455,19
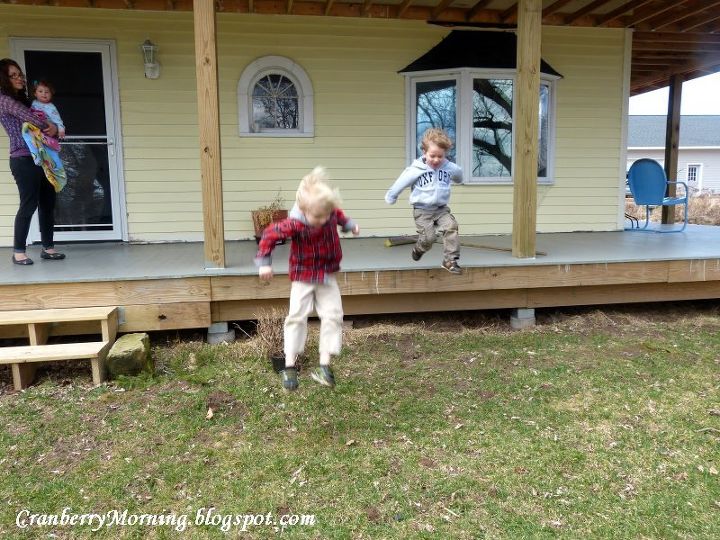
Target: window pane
435,107
492,127
544,130
275,103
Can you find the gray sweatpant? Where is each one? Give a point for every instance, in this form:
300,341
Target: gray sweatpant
427,222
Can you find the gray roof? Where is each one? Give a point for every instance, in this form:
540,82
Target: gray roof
646,131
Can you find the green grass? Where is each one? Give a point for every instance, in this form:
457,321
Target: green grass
597,425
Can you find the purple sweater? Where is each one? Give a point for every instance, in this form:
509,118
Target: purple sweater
12,115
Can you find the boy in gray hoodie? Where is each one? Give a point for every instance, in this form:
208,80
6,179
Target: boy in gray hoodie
429,178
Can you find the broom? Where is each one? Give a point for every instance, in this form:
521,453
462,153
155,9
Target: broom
393,241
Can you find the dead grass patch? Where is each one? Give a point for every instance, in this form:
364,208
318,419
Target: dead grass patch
704,209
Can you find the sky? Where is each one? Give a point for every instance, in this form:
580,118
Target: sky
699,96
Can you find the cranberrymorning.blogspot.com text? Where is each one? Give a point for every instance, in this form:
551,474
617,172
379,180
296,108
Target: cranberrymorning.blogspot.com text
26,519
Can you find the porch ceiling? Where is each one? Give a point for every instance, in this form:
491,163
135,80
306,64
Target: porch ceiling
672,37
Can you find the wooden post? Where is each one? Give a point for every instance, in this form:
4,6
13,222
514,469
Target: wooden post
527,98
209,125
672,143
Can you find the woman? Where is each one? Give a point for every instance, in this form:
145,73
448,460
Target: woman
35,191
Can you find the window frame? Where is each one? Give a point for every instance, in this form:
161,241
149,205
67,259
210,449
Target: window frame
463,122
280,65
698,174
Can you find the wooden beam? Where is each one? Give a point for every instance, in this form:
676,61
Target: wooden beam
676,37
710,25
442,6
681,13
328,6
653,10
527,91
209,124
672,143
555,6
251,6
619,11
509,13
658,79
366,7
479,5
403,7
677,46
580,13
699,21
289,6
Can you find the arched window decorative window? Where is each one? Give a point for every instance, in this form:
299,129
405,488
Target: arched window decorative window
275,99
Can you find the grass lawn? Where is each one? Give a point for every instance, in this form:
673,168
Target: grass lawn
592,425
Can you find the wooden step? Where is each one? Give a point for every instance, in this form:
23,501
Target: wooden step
38,316
23,360
40,322
52,353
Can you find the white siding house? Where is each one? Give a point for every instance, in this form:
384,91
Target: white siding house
699,151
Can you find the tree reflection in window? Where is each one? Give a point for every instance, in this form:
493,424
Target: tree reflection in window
435,105
492,127
275,103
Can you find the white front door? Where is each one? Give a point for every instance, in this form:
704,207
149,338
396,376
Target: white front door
84,74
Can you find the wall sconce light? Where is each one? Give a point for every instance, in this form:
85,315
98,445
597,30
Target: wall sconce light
152,66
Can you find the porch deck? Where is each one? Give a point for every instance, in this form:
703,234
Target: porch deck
165,286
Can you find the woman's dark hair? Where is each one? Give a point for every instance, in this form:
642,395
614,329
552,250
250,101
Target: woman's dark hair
6,86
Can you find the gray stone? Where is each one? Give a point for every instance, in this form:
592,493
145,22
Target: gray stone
221,337
219,333
130,355
522,318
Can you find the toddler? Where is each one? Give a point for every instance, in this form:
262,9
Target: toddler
315,256
429,178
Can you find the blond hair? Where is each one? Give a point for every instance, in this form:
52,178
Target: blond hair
314,191
436,136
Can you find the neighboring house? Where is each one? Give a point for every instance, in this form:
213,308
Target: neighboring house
698,153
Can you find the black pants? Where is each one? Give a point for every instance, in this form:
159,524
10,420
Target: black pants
35,192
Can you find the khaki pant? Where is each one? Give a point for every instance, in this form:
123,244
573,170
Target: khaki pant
325,300
427,222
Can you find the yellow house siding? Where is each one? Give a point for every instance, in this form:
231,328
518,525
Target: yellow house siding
360,120
589,129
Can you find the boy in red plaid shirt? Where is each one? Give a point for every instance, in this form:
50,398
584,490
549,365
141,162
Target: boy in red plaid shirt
315,256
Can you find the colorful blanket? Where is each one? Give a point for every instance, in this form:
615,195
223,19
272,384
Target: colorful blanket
44,155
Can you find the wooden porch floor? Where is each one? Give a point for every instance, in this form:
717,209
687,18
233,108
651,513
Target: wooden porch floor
165,286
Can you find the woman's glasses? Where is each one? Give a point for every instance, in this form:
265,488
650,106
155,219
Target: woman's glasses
16,76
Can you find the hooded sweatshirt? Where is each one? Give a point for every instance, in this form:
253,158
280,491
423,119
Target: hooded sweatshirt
430,188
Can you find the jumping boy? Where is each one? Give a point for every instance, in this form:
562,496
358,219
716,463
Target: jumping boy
429,178
315,256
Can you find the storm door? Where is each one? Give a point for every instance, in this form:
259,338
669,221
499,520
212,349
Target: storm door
83,73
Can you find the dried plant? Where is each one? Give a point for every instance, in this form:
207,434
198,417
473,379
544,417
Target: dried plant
704,209
269,326
264,215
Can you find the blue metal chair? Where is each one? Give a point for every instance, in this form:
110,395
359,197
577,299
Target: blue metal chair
648,185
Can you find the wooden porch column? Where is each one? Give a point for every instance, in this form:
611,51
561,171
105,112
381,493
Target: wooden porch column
209,125
672,143
527,97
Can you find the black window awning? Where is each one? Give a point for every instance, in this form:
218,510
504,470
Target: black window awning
473,49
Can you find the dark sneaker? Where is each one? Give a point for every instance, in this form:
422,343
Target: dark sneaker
452,266
289,379
416,255
323,375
